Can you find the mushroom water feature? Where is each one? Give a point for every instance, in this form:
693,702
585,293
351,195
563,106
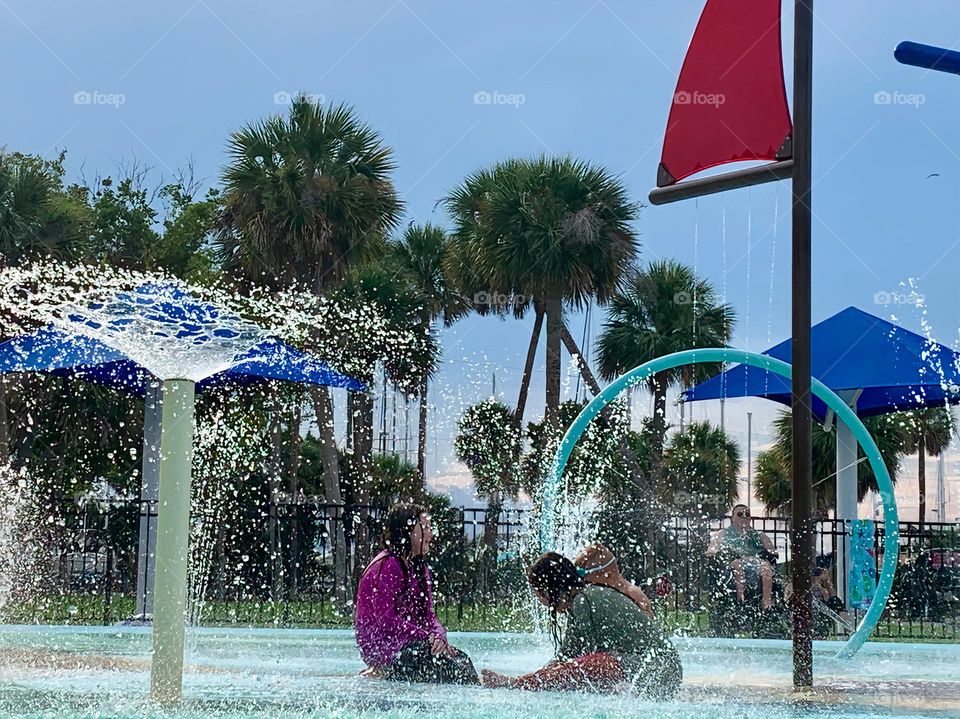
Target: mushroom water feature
161,332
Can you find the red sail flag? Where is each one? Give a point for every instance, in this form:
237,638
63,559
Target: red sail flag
731,101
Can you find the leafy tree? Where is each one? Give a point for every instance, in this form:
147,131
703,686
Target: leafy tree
656,311
488,443
124,222
141,227
594,463
701,468
185,248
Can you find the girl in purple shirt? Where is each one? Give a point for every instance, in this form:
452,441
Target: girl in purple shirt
398,632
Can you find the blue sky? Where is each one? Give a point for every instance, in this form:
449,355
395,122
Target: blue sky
167,82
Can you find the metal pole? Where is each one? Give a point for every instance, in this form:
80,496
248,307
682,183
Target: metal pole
749,460
406,428
436,442
941,489
383,415
149,485
723,393
773,172
393,428
801,538
173,528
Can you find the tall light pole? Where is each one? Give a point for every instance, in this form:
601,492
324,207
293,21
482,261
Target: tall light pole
749,459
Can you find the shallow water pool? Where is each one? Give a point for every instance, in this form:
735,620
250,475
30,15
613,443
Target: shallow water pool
104,672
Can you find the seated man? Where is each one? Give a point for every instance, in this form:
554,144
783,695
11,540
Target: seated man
748,552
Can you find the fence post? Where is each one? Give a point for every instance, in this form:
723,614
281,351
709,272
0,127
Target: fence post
107,586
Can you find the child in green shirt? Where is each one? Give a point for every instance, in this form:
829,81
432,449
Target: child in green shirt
608,642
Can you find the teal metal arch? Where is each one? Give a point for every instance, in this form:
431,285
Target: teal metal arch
840,409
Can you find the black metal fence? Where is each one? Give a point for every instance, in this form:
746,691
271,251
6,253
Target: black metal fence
698,592
279,565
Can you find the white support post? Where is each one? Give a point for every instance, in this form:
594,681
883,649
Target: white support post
846,496
173,529
149,487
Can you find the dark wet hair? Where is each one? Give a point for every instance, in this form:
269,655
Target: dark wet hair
398,529
556,577
397,540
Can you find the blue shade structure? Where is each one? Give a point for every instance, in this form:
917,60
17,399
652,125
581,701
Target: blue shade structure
893,368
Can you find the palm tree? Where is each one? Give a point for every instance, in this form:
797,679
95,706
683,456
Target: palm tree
663,309
394,480
304,196
701,469
925,432
773,486
379,284
38,217
406,354
424,254
542,233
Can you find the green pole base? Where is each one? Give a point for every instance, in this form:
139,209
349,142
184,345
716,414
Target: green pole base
173,529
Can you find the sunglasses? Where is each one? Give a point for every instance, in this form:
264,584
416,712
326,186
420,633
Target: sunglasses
742,514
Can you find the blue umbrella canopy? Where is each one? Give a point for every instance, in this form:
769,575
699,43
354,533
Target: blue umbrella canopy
893,368
102,343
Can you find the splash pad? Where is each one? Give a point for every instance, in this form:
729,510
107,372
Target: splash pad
830,398
153,333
